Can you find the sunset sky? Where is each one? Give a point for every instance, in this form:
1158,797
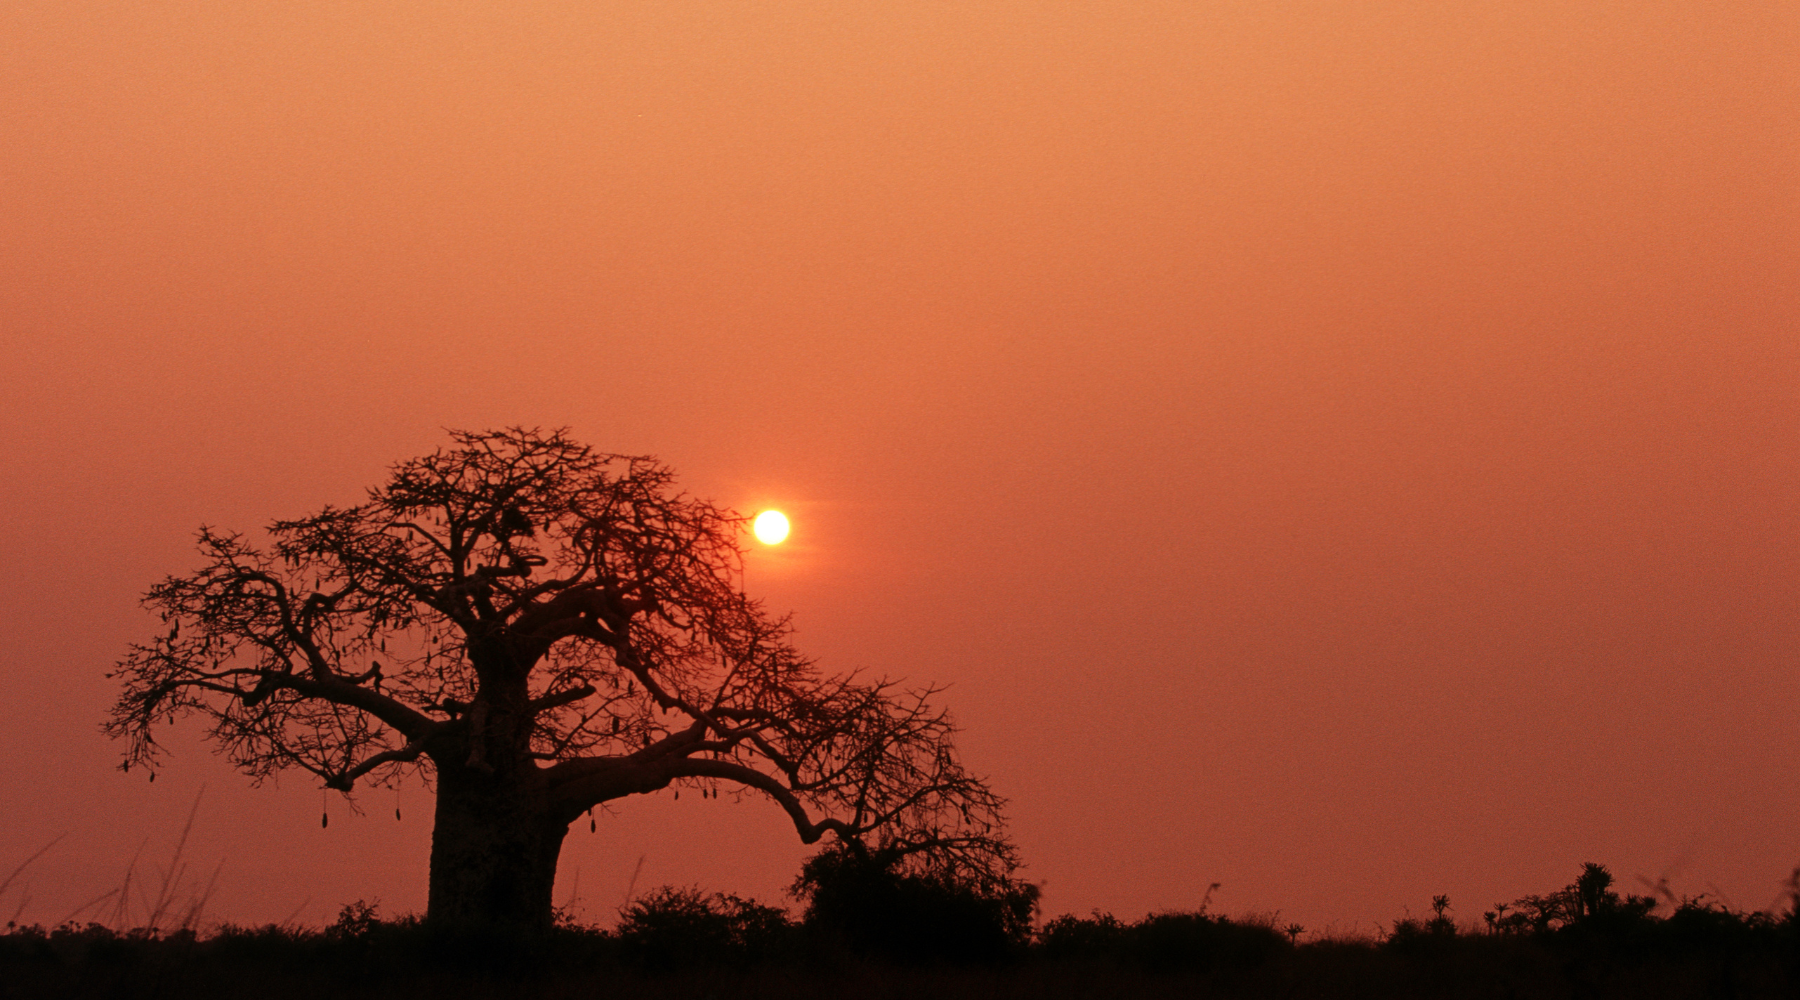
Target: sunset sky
1345,451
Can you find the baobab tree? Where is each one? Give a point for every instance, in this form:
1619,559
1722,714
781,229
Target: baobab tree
538,628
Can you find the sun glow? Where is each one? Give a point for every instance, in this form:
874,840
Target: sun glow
771,527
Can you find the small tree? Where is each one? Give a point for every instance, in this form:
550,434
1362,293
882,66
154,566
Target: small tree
538,628
1588,901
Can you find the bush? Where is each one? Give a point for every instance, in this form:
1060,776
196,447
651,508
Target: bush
1069,936
1201,942
1178,940
671,928
1587,906
865,901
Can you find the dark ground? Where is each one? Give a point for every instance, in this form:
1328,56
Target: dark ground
1465,967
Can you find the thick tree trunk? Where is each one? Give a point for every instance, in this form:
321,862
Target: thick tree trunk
494,847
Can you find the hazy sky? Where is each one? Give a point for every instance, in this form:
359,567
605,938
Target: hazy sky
1347,451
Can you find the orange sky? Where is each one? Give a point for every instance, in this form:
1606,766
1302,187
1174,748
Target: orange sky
1345,451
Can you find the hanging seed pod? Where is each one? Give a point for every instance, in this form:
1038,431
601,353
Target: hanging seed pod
592,826
324,820
153,776
396,814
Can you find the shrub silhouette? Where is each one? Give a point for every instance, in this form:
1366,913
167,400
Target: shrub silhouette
1437,933
1201,942
356,922
1069,936
868,902
1587,905
671,928
1178,940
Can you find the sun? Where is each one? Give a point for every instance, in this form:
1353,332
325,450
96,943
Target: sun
771,527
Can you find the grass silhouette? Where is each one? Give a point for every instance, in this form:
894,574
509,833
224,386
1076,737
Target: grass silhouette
13,877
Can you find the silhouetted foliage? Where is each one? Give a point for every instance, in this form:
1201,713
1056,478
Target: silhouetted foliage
1070,937
670,928
540,628
355,922
1187,940
1203,942
686,943
1413,936
1588,905
903,905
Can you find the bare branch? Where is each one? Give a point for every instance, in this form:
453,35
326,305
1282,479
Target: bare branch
406,754
809,830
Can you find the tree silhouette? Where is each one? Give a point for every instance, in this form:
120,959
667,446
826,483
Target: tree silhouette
537,628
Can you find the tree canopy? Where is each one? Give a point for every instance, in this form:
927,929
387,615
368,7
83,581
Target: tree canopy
544,627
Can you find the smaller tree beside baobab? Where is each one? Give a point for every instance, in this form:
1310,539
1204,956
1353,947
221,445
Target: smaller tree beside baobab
537,628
